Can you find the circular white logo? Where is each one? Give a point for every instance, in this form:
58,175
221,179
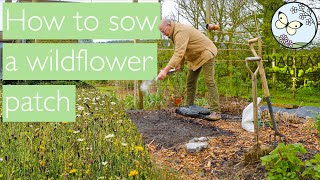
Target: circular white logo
294,25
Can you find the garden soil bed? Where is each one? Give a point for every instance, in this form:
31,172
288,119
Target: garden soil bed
168,129
166,132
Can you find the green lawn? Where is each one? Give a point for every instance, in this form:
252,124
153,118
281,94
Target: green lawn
301,99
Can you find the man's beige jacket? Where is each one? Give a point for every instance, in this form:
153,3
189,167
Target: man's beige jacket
191,46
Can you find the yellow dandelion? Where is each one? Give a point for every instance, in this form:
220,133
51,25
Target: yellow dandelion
133,173
42,163
42,148
88,171
139,148
70,131
72,171
70,164
1,175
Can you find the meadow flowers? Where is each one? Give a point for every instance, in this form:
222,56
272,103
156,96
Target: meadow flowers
42,163
109,136
139,148
73,171
103,138
133,173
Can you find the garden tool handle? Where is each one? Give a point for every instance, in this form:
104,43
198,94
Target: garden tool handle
250,41
261,69
171,71
254,95
252,59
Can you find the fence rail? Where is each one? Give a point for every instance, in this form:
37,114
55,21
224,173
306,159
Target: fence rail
218,50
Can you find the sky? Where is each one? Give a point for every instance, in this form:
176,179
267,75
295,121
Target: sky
167,8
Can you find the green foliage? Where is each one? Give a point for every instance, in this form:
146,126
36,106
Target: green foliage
283,163
266,12
312,169
202,102
176,83
233,79
153,101
129,102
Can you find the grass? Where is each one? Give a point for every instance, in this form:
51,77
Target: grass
106,89
304,97
103,143
285,98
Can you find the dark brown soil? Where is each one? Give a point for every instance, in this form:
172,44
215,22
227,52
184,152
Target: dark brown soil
166,128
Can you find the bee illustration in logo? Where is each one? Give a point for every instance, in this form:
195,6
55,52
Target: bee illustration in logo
291,27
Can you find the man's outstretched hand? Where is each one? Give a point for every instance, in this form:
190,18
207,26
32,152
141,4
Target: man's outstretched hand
162,75
164,72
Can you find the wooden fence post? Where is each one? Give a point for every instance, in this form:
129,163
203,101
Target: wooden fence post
140,94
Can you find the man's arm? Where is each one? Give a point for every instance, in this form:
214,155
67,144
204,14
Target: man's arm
181,43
